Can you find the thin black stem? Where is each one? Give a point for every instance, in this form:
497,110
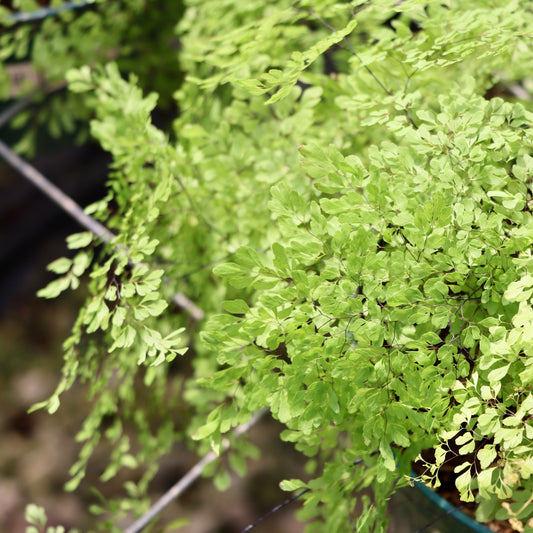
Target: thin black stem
366,67
439,517
197,211
274,510
352,50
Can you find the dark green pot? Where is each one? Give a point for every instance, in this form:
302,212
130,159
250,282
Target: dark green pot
458,521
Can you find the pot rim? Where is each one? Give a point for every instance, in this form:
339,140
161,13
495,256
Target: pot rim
45,12
450,509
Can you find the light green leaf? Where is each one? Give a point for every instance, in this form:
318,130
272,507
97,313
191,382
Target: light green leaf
79,240
156,308
35,515
498,373
387,456
235,307
54,288
60,266
290,485
206,430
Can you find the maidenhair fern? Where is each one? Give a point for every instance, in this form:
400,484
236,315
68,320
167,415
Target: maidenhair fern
346,193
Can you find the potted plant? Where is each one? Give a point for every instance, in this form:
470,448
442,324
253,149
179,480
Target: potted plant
346,194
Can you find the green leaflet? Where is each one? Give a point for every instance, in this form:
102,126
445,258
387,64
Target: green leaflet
360,247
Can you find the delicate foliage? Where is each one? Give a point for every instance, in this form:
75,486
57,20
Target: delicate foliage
132,32
347,193
36,518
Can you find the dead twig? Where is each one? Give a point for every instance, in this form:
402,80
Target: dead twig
55,194
74,210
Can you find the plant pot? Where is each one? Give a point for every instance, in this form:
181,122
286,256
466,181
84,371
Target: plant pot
452,511
419,508
47,11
